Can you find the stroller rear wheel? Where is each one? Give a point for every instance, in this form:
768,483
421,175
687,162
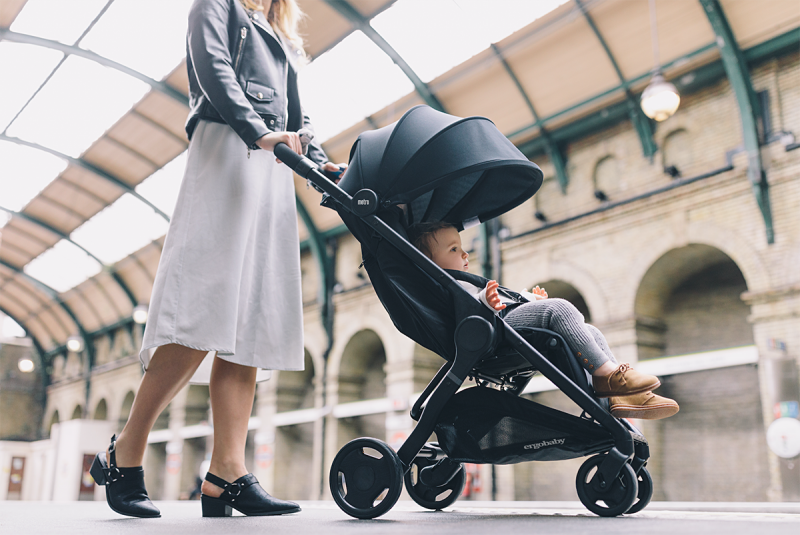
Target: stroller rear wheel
429,497
621,493
645,492
366,478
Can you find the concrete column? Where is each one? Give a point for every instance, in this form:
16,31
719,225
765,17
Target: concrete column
318,473
264,440
775,315
177,420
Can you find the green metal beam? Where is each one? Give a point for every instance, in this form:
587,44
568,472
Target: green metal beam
55,297
319,248
643,125
83,164
553,150
162,87
62,235
344,8
40,353
749,110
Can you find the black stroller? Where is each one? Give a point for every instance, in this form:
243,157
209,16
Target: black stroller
430,166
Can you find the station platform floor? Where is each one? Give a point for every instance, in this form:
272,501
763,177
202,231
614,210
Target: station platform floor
463,518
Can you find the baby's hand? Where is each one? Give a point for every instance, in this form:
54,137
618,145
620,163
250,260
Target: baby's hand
540,292
492,297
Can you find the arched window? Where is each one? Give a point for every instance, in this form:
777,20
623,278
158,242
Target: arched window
606,178
678,153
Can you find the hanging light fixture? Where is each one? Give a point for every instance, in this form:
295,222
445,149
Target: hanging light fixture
660,99
140,314
75,343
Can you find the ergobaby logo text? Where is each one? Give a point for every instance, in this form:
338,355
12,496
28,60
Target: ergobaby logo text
363,201
537,445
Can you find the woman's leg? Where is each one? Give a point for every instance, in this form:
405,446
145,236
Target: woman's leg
232,390
169,370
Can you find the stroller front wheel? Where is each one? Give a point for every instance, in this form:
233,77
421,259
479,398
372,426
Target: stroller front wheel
366,478
645,493
429,497
619,497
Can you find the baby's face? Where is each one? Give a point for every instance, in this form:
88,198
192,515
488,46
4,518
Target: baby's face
447,252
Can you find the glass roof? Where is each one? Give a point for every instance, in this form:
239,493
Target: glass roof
10,328
24,173
160,41
63,266
122,228
337,91
98,96
341,87
449,32
161,188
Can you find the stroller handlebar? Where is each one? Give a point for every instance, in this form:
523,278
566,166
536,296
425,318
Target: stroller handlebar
310,171
296,162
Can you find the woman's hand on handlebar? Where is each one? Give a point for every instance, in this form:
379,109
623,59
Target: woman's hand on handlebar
331,167
292,140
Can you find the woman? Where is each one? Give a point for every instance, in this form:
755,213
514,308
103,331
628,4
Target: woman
228,283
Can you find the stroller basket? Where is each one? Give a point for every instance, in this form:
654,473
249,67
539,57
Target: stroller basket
483,425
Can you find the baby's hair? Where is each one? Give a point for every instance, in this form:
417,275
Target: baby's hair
422,234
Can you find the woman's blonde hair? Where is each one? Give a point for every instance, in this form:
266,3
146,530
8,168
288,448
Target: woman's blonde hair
284,16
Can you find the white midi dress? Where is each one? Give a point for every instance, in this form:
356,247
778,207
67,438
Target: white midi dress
228,281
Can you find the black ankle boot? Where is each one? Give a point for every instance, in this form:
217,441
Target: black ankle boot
125,492
246,496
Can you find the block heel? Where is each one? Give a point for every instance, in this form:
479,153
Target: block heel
213,507
97,471
246,496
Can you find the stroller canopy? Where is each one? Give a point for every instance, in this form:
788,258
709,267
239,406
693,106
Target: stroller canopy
443,168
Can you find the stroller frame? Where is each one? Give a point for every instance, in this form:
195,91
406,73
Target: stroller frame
478,335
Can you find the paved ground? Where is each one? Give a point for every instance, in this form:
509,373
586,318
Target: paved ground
464,518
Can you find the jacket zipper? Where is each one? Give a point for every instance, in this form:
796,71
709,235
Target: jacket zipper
241,50
243,33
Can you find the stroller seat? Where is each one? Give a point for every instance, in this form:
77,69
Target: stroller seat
462,171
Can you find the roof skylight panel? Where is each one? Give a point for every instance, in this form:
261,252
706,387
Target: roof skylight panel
57,20
434,37
23,68
10,328
24,172
79,103
349,82
120,229
148,36
63,266
162,187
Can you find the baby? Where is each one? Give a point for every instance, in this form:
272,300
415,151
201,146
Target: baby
630,392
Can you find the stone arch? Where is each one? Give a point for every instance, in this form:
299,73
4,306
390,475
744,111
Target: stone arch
101,410
383,330
54,419
658,243
559,289
77,412
678,152
606,176
294,444
689,301
583,283
362,376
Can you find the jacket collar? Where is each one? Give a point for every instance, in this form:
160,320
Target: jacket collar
259,20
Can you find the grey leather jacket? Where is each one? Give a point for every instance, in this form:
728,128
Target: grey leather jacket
243,74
